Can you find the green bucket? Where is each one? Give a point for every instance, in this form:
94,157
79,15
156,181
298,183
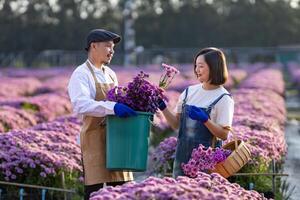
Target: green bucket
127,142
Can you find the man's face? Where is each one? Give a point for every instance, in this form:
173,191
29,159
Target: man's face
104,51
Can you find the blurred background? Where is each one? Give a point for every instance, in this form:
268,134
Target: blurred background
42,33
42,42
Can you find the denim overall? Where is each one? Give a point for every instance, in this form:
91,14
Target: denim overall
192,133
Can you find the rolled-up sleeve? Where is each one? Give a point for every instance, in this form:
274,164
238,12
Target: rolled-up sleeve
81,98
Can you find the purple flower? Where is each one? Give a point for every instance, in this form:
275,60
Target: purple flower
167,76
203,159
139,94
163,156
43,174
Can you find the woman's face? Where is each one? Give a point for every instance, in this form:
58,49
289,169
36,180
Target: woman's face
202,69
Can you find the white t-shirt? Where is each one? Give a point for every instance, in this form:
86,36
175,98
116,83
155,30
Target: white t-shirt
222,112
82,91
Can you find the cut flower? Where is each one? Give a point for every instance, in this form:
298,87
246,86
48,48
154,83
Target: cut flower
139,94
167,76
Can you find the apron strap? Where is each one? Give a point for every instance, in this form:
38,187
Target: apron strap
112,78
93,73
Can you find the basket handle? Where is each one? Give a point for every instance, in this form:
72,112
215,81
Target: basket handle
234,136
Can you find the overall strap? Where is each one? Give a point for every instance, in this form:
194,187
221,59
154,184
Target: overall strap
185,97
216,101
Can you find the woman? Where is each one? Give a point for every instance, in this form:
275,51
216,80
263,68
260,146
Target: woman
204,111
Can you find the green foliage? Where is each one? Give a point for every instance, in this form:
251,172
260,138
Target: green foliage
6,126
159,23
286,190
156,135
30,107
261,183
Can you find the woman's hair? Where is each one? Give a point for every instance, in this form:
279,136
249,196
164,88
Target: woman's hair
216,62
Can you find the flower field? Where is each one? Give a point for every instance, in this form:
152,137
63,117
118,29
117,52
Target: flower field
294,70
38,133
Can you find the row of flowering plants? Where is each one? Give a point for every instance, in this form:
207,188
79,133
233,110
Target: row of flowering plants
24,112
16,87
294,72
204,186
262,112
33,150
259,120
261,80
30,83
42,154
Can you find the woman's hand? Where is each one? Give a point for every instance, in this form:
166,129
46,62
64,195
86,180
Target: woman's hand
161,105
198,114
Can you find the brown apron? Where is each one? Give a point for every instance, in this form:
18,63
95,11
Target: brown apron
93,144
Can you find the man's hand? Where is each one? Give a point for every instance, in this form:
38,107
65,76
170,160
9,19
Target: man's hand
161,104
121,110
198,114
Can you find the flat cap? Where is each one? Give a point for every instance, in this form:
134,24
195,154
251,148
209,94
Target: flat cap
101,35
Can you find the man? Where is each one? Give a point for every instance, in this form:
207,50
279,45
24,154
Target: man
87,89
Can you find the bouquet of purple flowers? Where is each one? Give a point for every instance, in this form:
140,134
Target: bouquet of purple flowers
140,94
167,76
204,159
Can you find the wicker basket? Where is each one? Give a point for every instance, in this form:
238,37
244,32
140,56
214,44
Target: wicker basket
236,160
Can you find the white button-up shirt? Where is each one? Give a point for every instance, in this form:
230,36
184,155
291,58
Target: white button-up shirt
82,91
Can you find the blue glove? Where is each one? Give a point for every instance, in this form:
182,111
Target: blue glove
198,114
121,110
161,104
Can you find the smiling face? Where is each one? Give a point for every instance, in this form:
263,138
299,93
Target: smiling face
103,51
202,69
210,66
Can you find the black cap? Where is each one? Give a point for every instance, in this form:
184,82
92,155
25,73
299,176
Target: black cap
101,35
